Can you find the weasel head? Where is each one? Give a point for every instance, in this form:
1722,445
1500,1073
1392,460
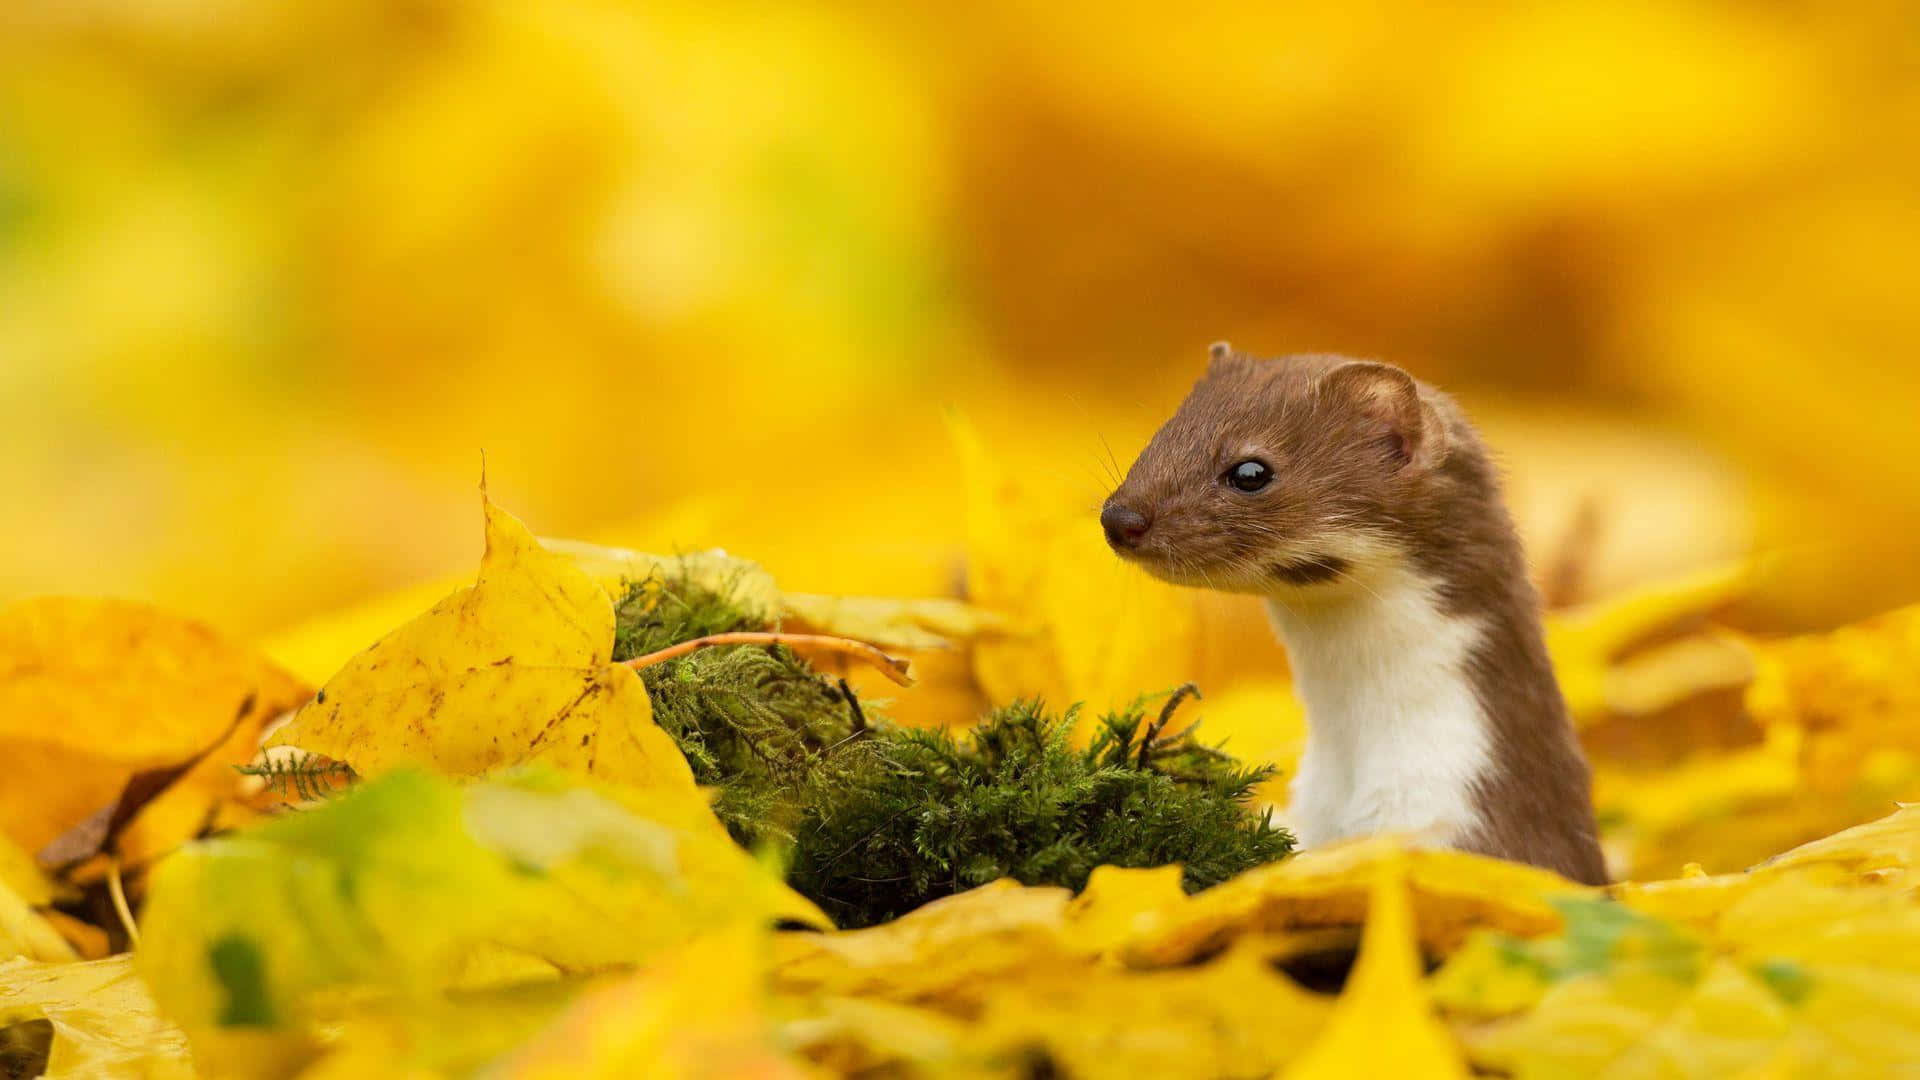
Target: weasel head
1286,476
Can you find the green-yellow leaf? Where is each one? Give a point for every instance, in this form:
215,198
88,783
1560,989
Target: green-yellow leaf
400,884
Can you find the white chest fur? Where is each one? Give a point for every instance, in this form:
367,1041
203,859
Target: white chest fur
1396,737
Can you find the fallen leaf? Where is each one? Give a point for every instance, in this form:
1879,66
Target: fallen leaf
25,931
1641,1025
1117,901
851,1036
1453,893
104,1021
1382,1024
462,1034
22,875
613,568
515,668
946,951
1585,642
101,830
1231,1016
93,692
1884,850
696,1012
1787,968
893,622
400,882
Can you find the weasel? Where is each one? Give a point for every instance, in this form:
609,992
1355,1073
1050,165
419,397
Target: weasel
1361,504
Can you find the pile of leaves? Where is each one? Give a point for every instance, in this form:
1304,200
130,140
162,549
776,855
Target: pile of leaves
878,819
550,863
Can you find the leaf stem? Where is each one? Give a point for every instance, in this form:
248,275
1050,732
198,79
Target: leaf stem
118,892
892,667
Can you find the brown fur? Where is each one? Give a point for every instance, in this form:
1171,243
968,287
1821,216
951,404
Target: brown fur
1361,448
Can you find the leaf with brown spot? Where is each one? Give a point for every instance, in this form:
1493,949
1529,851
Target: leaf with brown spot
514,668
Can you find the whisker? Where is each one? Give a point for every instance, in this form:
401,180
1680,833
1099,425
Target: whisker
1114,462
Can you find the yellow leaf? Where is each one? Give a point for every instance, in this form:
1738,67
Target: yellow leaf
1232,1016
1586,642
1831,744
1118,900
22,875
1382,1024
1815,919
1857,677
1695,901
1887,849
514,668
400,884
893,622
1482,979
104,1021
696,1012
1804,966
24,932
613,568
371,1035
1083,626
1453,893
94,691
947,950
850,1036
1641,1024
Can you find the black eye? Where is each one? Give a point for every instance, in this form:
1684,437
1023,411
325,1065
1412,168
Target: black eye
1249,475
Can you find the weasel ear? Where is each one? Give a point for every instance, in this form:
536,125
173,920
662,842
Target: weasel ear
1410,427
1218,354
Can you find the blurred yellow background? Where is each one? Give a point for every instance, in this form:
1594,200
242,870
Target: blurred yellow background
273,276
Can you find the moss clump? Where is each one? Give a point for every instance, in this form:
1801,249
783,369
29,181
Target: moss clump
910,816
661,611
753,721
880,819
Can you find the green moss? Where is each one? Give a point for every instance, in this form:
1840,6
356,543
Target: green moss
879,819
659,611
909,816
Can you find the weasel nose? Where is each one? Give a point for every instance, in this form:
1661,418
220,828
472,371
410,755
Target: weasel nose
1125,525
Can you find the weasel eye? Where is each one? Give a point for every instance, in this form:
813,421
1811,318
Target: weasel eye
1249,475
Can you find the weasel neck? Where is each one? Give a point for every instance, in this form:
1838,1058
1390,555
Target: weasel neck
1398,740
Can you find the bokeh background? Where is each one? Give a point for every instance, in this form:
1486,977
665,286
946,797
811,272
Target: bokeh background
273,276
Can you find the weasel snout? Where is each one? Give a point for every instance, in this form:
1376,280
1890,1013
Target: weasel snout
1125,526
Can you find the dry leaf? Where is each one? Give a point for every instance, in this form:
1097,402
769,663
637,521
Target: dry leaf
697,1012
25,931
104,1021
412,886
1383,1025
1453,893
1232,1016
514,668
946,951
94,691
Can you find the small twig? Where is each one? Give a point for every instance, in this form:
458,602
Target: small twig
1166,714
859,719
853,704
870,834
892,667
119,894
